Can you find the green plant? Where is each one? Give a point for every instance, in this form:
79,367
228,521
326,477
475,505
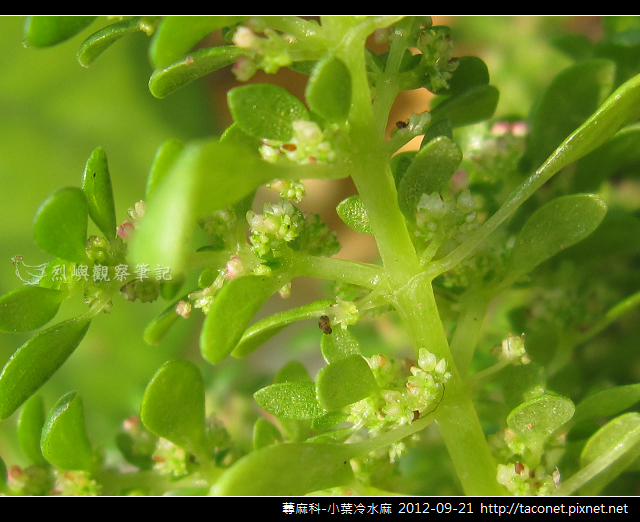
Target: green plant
487,229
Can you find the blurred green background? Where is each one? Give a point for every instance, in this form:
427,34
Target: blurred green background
54,113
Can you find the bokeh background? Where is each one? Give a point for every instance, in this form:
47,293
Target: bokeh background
54,113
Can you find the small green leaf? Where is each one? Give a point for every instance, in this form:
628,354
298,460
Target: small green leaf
96,183
173,405
293,371
556,225
609,452
101,40
353,213
340,344
166,157
231,311
177,35
264,329
28,308
429,172
196,65
265,434
287,470
265,110
328,91
60,226
573,96
344,382
290,400
470,106
65,441
608,402
535,420
29,430
160,325
471,72
45,31
37,360
330,420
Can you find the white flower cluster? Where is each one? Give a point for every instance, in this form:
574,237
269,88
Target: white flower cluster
279,224
308,145
437,53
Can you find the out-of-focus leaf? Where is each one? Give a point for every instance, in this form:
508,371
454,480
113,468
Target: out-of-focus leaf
60,225
177,35
328,91
608,402
45,31
173,405
470,106
28,308
65,442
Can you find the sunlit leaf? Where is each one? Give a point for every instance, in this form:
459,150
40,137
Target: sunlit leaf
37,360
28,308
65,442
340,344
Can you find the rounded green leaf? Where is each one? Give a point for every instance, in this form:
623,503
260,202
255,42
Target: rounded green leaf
353,213
28,308
230,314
37,360
287,470
429,172
344,382
177,35
573,96
328,91
266,111
65,442
100,41
293,371
173,405
470,106
340,344
264,329
471,72
290,400
165,158
196,65
60,226
535,420
44,31
608,402
96,183
29,430
556,225
265,434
